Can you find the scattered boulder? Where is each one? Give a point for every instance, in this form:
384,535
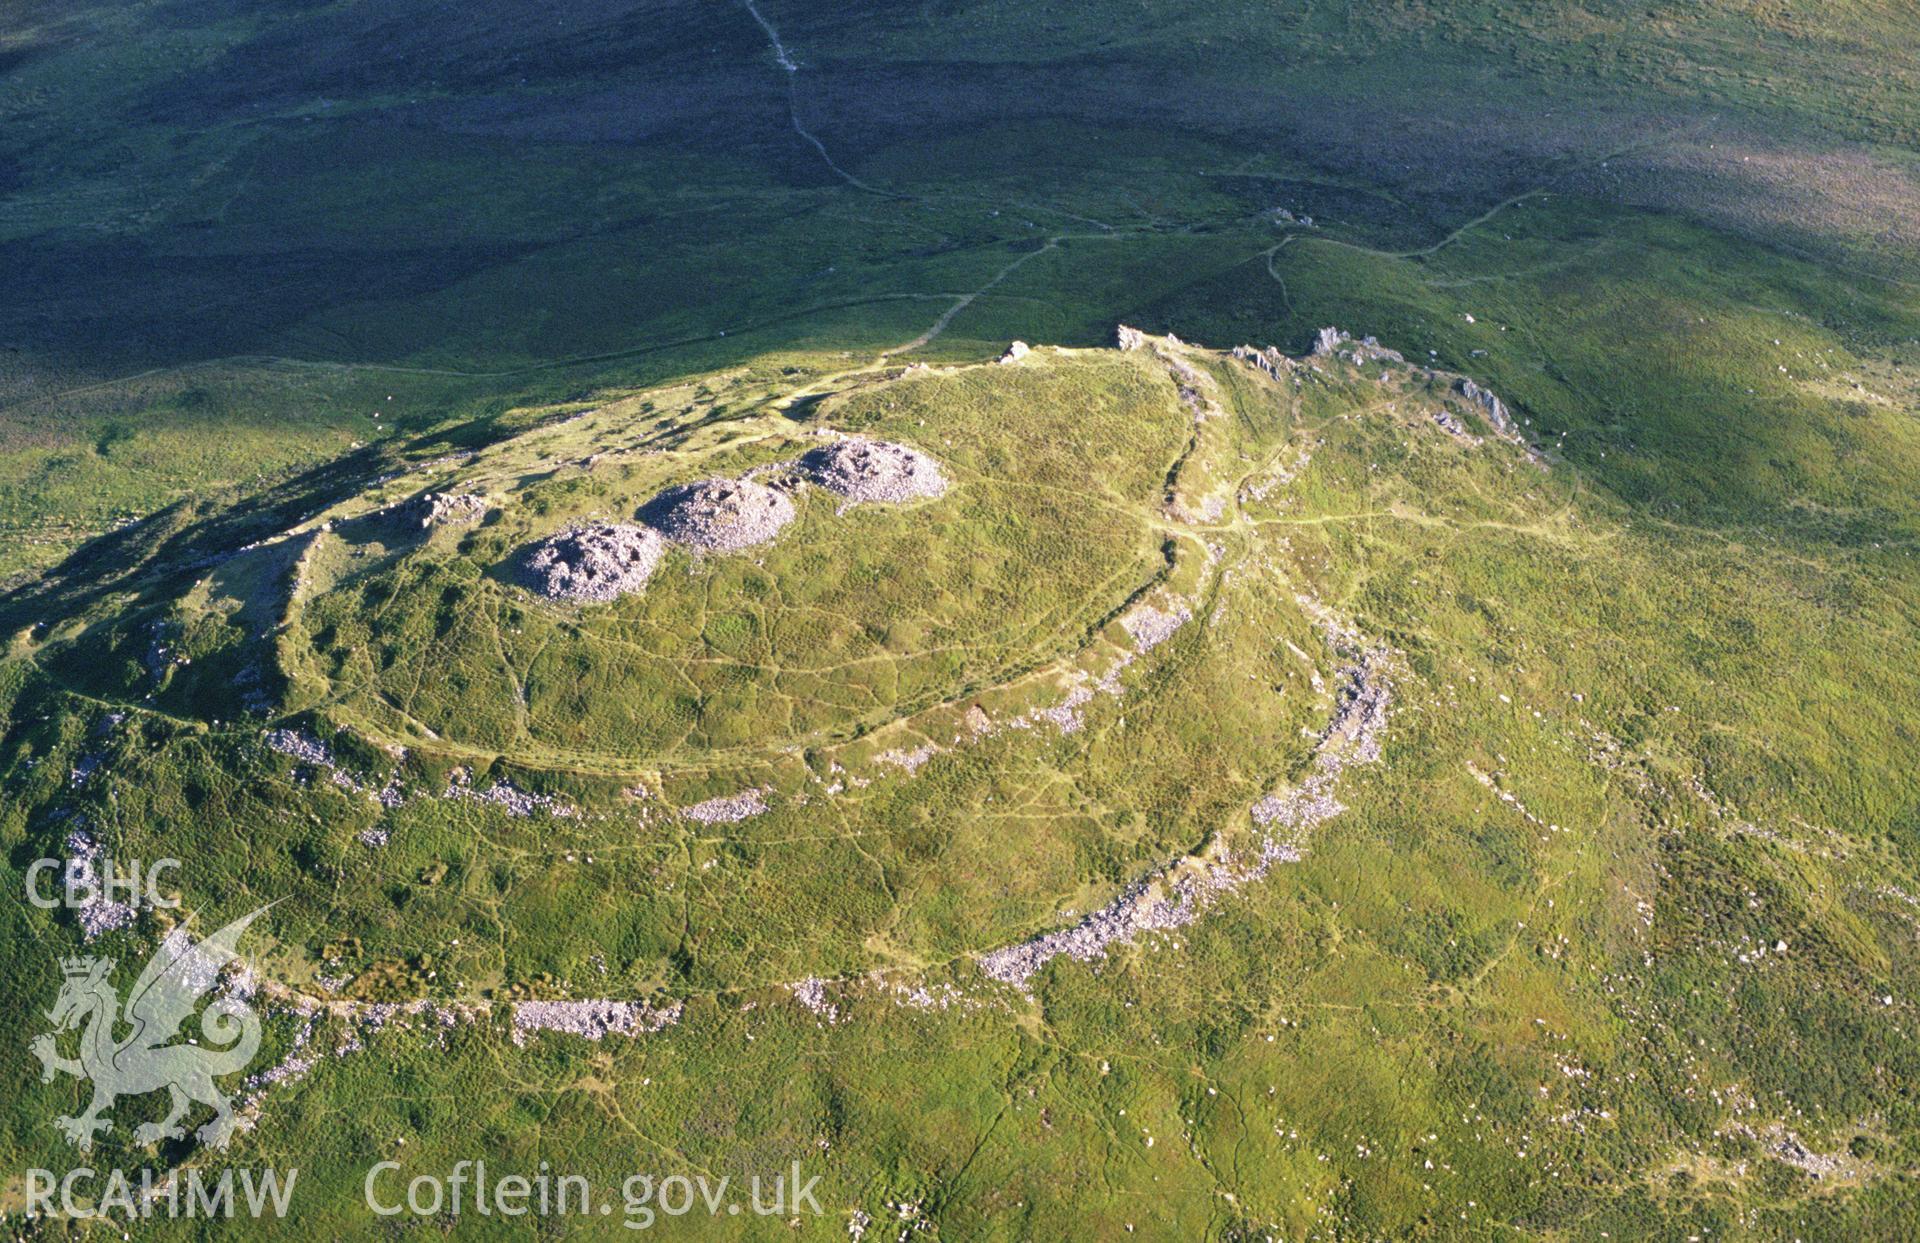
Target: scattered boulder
873,470
1015,352
812,993
721,515
1370,350
1129,338
595,564
432,509
1453,427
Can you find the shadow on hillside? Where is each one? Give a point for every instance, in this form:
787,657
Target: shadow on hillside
155,556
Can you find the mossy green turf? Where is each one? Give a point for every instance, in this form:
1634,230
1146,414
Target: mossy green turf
282,217
1541,998
1687,650
1040,538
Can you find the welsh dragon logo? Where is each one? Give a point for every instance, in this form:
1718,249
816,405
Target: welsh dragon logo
167,994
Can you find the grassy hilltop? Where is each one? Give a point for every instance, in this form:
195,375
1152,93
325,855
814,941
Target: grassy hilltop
286,219
1466,820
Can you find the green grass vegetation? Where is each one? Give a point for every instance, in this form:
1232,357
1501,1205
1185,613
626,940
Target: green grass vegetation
1617,937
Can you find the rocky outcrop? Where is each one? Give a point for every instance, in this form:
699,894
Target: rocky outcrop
1332,343
1501,419
1276,365
1491,406
1327,342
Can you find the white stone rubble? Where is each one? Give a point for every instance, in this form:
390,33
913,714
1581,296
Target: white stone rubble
720,515
432,509
508,797
99,914
812,994
873,470
1149,627
596,563
594,1020
1176,895
729,808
